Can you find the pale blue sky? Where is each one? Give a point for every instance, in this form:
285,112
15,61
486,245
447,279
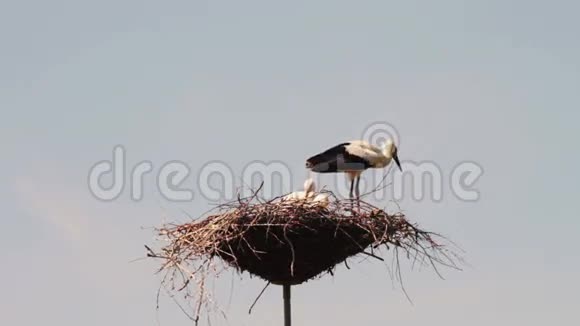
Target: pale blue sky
495,82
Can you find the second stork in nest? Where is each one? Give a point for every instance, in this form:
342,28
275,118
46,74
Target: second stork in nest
309,194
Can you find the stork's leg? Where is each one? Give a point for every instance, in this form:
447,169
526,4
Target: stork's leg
350,195
358,193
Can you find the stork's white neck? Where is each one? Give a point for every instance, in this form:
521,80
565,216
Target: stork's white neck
383,161
309,186
388,151
387,155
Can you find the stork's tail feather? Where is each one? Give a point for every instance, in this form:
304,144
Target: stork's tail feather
336,159
322,163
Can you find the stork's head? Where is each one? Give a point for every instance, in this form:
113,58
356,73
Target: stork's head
391,152
309,185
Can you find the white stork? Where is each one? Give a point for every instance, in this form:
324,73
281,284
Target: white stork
353,158
309,194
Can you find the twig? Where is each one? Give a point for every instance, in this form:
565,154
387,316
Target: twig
258,298
372,255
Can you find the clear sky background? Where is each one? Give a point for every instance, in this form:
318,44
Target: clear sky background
495,82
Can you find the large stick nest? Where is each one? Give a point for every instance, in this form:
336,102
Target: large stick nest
291,242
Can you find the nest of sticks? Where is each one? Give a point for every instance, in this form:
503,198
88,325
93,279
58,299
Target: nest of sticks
290,242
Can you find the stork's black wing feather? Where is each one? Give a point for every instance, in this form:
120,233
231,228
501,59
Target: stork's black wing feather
336,159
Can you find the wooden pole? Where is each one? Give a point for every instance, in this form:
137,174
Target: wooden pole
287,310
